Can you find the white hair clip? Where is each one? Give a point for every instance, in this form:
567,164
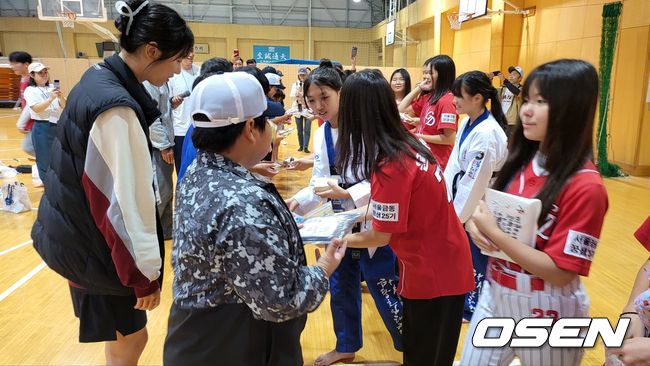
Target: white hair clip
121,5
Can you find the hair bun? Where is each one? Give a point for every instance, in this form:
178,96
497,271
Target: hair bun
326,63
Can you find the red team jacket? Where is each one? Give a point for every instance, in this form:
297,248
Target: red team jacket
409,200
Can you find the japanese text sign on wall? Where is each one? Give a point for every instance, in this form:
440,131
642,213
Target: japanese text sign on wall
203,48
264,54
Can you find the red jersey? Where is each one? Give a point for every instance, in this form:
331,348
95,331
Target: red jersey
409,200
572,228
24,83
433,120
419,103
643,234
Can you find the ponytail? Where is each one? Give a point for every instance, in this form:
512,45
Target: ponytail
324,75
477,82
496,110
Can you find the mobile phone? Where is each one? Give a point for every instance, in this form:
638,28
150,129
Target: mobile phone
235,52
56,84
354,51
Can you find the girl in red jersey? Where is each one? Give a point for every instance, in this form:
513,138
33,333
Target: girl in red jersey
411,210
635,349
550,159
438,118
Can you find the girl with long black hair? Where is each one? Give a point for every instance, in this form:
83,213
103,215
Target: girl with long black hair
400,82
479,152
438,118
411,211
550,159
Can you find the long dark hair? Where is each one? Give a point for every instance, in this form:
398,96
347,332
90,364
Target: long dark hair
324,75
370,129
446,70
407,79
477,82
570,87
155,23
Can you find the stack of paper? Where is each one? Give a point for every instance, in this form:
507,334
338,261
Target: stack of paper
321,230
516,216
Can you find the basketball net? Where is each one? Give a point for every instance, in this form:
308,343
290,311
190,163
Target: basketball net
69,19
454,21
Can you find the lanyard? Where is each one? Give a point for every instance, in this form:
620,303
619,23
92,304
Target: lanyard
331,152
43,93
468,128
191,72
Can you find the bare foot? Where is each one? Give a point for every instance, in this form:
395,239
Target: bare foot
331,357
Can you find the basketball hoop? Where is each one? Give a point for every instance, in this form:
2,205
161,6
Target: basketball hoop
454,19
68,18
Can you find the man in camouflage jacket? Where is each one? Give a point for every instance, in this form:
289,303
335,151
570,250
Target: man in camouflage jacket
242,287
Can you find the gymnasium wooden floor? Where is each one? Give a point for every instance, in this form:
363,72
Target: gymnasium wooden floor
38,327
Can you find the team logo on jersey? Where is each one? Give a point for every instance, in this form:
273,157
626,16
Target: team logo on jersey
385,211
421,162
447,118
547,227
580,245
430,119
316,157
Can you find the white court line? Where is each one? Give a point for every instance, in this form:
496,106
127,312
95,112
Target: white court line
18,148
15,247
22,281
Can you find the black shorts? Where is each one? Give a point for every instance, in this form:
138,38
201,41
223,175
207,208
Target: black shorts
100,316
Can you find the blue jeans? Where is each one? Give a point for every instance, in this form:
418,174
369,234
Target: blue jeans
42,137
304,132
345,288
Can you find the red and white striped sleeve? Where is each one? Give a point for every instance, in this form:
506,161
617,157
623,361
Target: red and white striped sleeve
117,180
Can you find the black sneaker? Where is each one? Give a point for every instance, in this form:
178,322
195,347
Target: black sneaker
306,150
300,149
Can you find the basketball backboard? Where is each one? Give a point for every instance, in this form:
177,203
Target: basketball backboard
84,10
471,9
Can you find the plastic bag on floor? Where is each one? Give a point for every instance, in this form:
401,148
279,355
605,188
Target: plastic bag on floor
7,172
14,198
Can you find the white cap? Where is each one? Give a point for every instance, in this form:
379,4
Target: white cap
36,67
518,69
274,80
226,99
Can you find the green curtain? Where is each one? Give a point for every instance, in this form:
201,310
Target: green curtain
611,14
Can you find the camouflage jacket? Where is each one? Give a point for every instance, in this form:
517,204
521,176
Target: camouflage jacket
235,241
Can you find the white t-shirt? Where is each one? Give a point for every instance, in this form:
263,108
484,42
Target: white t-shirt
506,102
36,95
179,84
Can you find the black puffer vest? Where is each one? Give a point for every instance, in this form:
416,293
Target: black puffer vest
65,234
